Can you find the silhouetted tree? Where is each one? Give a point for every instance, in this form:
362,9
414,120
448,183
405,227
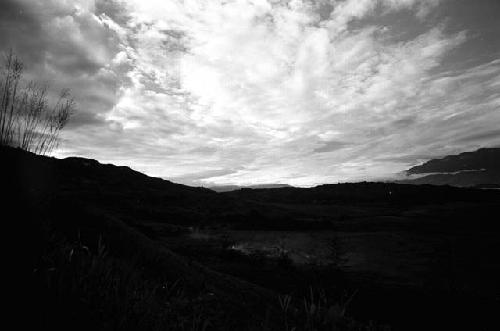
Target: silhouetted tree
27,120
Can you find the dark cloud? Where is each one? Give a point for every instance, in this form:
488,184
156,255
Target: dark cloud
404,122
487,135
114,9
480,19
204,150
50,34
80,119
65,45
175,41
331,146
406,159
325,9
19,31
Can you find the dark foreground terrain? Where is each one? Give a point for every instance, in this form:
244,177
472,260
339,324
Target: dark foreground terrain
108,248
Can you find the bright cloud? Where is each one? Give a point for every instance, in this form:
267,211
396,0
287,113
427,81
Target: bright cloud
275,91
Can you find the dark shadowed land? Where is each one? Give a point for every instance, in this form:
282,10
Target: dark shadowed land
110,248
480,168
228,188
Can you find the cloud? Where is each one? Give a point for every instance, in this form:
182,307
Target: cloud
488,135
66,45
331,146
196,178
255,91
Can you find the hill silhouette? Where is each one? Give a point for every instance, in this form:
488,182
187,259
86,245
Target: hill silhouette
78,209
228,188
480,168
112,248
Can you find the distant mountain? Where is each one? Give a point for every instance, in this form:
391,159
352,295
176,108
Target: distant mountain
225,188
480,168
228,188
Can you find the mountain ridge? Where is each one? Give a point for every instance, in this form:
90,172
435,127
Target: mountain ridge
228,188
480,168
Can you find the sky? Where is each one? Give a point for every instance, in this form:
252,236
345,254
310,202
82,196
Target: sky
244,92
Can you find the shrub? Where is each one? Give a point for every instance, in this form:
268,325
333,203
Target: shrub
27,120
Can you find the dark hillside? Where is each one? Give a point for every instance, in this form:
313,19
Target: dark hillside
118,189
470,169
484,158
365,192
90,270
110,248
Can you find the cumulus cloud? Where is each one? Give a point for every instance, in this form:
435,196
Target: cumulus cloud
66,45
258,91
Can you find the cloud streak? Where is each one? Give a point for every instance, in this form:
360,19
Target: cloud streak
249,92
